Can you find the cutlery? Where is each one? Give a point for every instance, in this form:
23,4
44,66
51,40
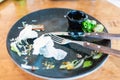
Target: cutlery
86,44
92,35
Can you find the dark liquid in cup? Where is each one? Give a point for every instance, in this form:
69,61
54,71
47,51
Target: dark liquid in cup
75,19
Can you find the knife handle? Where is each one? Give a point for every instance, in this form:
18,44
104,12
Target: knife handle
103,35
101,48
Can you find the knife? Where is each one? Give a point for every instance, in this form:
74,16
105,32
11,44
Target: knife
91,35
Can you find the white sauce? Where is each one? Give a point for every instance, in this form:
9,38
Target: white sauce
26,33
45,46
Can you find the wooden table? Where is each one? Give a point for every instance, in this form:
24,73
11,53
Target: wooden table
13,10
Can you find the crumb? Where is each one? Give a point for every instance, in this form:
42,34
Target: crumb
79,56
38,27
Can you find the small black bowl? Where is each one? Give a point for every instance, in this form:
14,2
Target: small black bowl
75,18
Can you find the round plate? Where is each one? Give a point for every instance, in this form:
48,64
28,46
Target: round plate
53,20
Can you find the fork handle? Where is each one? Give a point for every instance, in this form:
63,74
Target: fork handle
103,49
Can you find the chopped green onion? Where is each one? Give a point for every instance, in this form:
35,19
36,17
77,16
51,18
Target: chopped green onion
97,56
14,48
99,28
88,25
87,64
93,22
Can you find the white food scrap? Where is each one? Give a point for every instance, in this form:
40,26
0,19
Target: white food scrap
29,67
44,46
26,33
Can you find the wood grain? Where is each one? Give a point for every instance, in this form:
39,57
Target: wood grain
13,10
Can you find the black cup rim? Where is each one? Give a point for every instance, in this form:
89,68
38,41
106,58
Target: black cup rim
74,20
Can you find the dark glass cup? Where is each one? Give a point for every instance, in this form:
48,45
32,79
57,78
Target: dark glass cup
75,19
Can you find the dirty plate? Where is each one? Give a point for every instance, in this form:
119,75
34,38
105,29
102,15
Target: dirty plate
53,20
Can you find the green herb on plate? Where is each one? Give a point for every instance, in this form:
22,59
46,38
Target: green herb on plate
99,28
87,63
14,48
89,25
97,55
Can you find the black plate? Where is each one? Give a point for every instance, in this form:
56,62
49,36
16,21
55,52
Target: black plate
53,20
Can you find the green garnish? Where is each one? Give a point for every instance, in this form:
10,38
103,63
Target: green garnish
97,56
87,63
99,28
88,25
14,48
92,26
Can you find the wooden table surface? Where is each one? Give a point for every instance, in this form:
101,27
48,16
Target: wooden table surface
13,10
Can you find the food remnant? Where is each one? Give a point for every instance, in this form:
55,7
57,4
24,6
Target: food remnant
72,65
88,25
87,63
79,56
27,33
97,55
25,66
14,48
79,63
38,27
44,45
99,28
92,26
48,65
21,48
67,65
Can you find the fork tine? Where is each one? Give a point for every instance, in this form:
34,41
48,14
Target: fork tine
56,39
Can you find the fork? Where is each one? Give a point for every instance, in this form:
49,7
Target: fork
100,48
